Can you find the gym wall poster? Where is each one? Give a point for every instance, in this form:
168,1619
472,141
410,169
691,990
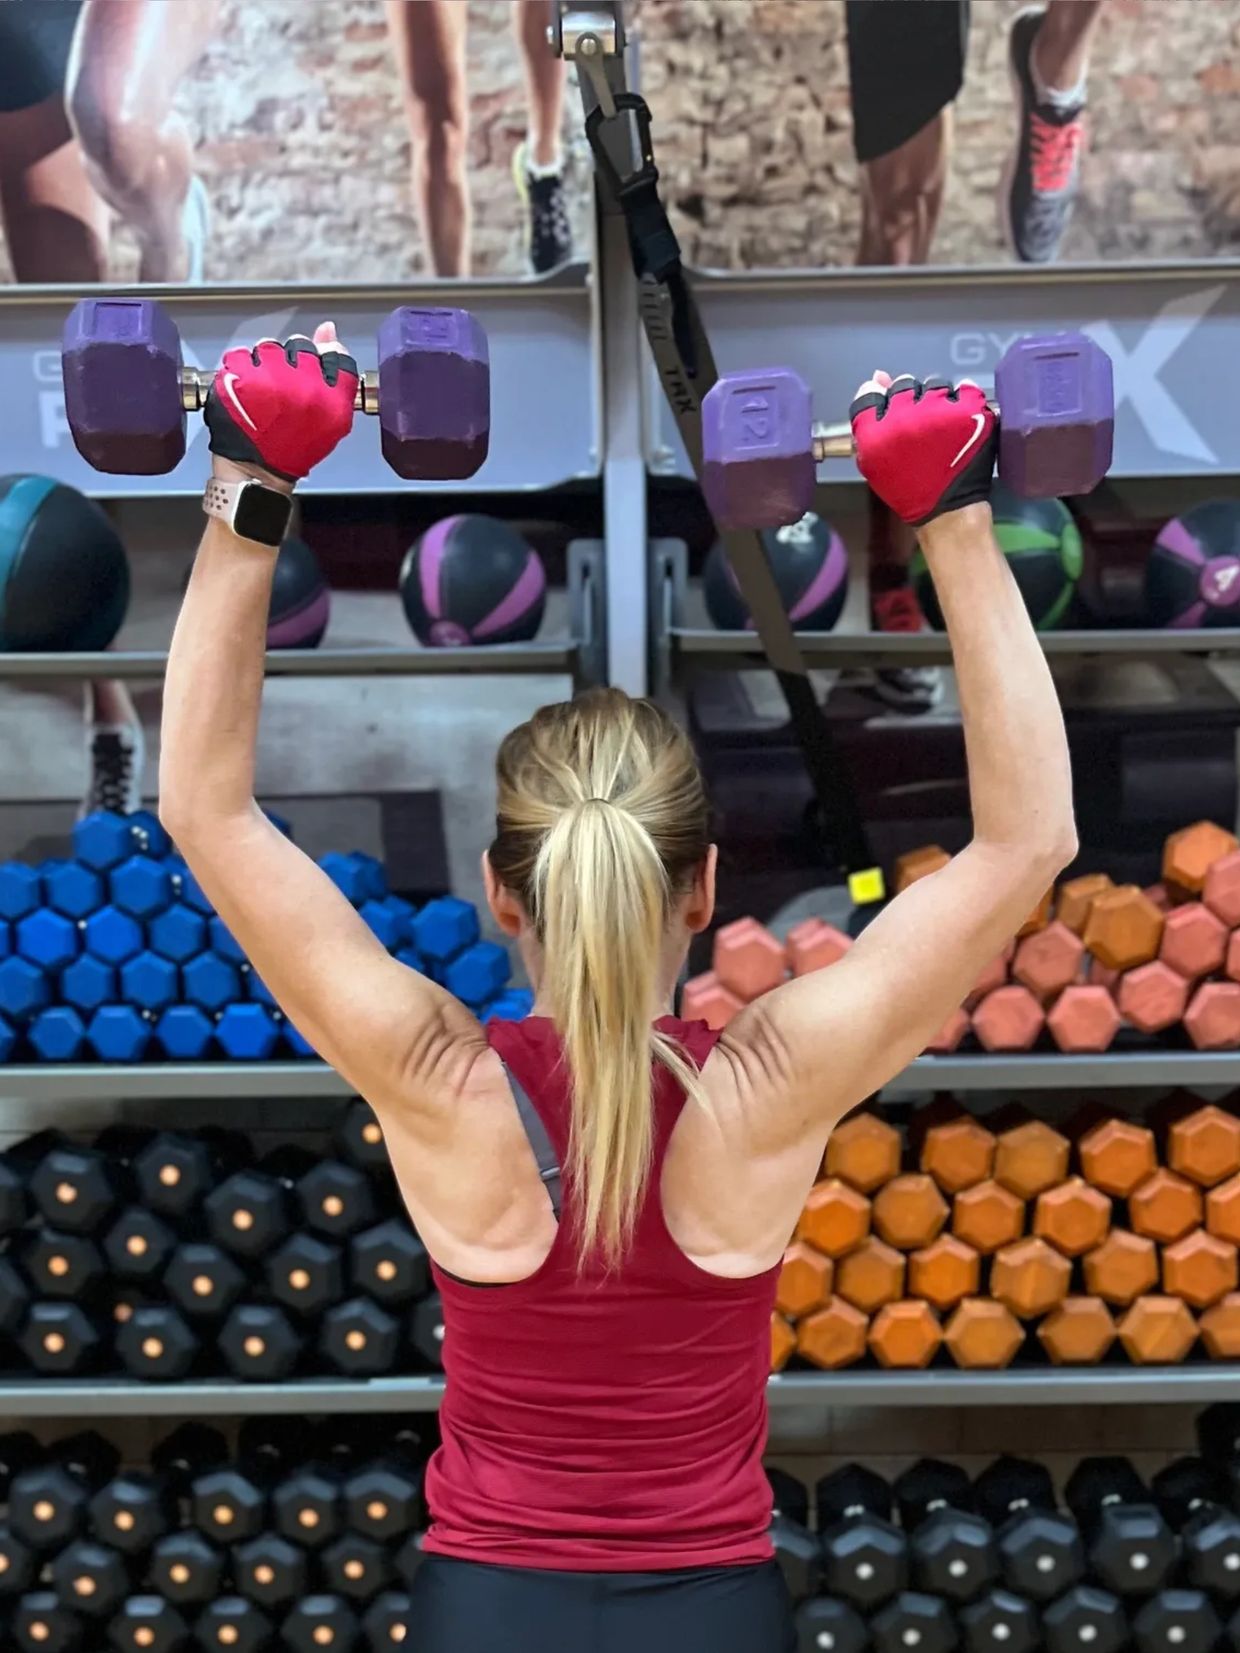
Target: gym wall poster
337,140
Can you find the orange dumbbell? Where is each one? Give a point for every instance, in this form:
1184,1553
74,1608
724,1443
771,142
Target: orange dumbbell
1122,1268
1038,918
1223,1210
1123,928
950,1035
836,1218
1076,897
944,1272
783,1342
813,945
1073,1216
983,1334
957,1153
804,1280
1157,1331
1189,854
987,1216
1221,891
1029,1277
1152,997
833,1336
1220,1328
1049,960
1010,1018
1194,942
1116,1155
864,1150
1078,1332
704,998
870,1276
1084,1018
994,975
747,959
917,863
909,1211
1204,1145
1165,1207
1200,1268
1031,1157
1212,1020
905,1334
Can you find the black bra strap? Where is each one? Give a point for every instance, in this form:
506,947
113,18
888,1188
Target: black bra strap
544,1153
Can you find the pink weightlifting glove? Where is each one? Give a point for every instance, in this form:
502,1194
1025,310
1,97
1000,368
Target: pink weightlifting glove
283,407
922,445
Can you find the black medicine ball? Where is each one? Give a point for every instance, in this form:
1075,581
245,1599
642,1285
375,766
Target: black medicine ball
472,579
64,575
810,566
301,602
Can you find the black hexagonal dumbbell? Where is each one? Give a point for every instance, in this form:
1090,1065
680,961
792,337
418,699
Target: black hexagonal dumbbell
74,1188
389,1263
60,1339
426,1330
799,1555
952,1548
186,1567
19,1450
307,1506
156,1344
913,1623
48,1502
306,1274
14,1299
1176,1621
203,1280
259,1342
59,1264
355,1567
358,1139
90,1578
14,1202
190,1450
248,1214
320,1621
1131,1548
789,1494
131,1511
270,1570
228,1505
1218,1438
999,1621
1186,1491
864,1555
1040,1549
147,1624
359,1338
827,1625
232,1624
19,1565
383,1499
138,1245
385,1622
409,1559
174,1173
40,1624
1084,1620
336,1199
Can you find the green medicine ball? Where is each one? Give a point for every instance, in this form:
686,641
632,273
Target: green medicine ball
64,576
1043,547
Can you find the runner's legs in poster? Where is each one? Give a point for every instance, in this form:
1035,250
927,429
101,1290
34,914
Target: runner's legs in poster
538,165
428,39
128,59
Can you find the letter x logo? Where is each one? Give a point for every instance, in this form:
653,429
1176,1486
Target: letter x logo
1137,372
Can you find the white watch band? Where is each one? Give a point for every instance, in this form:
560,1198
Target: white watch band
219,499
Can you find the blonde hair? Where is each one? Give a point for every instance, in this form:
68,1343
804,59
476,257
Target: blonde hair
601,821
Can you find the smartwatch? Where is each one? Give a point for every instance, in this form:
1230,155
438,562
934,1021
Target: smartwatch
251,510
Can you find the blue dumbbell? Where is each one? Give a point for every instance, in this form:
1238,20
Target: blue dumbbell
112,935
47,939
478,974
21,889
185,1032
296,1043
415,961
278,821
247,1032
8,1038
149,981
348,877
178,933
141,886
24,989
445,928
404,912
375,884
73,889
88,982
224,942
211,982
511,1006
6,938
103,839
118,1033
57,1034
392,929
256,988
148,835
185,887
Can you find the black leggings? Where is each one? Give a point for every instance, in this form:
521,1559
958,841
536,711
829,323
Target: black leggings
467,1607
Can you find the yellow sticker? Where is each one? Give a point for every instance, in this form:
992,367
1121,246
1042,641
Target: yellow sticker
866,886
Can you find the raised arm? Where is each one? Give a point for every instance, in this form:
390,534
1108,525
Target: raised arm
390,1031
838,1035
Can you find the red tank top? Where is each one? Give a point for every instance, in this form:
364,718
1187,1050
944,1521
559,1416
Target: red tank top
604,1423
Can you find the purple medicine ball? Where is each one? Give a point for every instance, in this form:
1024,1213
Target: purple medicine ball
300,599
1192,578
810,566
472,579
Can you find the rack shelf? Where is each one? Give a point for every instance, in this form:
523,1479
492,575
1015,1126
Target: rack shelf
501,660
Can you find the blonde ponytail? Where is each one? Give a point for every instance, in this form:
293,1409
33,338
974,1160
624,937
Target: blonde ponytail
602,817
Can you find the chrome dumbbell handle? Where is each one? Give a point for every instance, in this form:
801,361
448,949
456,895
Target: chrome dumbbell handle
195,383
836,441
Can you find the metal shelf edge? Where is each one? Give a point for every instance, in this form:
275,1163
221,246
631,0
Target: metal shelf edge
501,660
82,1082
1107,1071
741,651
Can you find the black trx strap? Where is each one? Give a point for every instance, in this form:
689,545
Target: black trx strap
617,124
545,1156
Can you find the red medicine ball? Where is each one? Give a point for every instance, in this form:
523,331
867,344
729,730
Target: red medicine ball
472,579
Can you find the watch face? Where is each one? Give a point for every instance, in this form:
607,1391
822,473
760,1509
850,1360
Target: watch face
262,514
